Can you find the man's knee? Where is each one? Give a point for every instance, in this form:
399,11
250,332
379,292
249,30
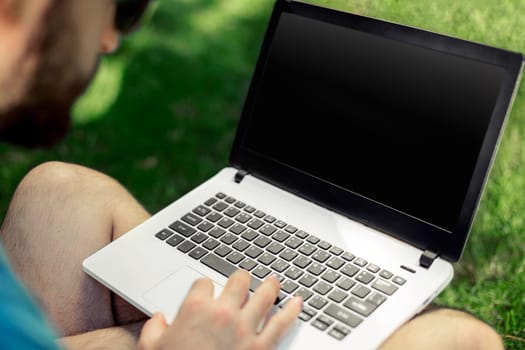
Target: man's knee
444,329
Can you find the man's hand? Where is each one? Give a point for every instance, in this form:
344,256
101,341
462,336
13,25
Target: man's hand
230,322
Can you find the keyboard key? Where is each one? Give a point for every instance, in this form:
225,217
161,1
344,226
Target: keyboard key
182,228
319,325
210,202
266,259
243,218
235,257
304,293
220,195
220,206
211,244
230,200
205,226
225,222
339,332
231,212
337,295
249,209
217,232
201,210
249,235
308,280
175,240
312,239
255,224
162,235
186,246
280,236
399,280
307,249
336,250
345,283
360,262
288,255
262,241
294,242
348,256
289,286
335,263
349,270
223,250
275,248
360,291
330,276
199,237
261,271
267,229
237,229
280,265
228,238
376,298
320,256
384,286
302,262
362,307
373,268
241,245
386,274
221,266
240,204
198,253
364,277
318,302
269,218
214,217
324,245
290,229
301,234
253,252
316,269
343,315
293,273
322,288
248,264
259,214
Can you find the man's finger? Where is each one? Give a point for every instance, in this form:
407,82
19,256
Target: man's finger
281,322
236,289
261,301
151,331
201,288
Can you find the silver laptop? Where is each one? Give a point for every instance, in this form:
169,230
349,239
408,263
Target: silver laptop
359,160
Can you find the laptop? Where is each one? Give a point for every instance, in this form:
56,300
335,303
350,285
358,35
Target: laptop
360,158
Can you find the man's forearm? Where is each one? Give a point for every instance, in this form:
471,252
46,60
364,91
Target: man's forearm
124,337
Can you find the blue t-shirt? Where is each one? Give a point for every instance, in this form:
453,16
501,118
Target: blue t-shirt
22,325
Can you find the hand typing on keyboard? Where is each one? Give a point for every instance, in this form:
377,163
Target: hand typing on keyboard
229,322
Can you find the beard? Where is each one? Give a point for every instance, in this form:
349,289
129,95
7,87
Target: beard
41,117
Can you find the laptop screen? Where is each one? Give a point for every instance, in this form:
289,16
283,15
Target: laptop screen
396,123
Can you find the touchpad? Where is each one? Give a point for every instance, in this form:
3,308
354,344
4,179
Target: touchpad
169,294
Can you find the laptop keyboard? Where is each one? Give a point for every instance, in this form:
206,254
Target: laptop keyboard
339,289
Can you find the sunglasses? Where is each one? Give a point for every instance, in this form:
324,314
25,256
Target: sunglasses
128,14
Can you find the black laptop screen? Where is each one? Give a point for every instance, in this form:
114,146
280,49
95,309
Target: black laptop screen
399,124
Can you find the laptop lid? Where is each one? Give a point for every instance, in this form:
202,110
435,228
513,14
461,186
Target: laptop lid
391,126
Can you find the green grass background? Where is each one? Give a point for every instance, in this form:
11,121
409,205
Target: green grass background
161,116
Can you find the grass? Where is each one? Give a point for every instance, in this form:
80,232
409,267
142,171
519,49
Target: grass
161,116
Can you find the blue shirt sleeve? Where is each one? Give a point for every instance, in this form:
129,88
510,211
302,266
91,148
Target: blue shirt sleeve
22,325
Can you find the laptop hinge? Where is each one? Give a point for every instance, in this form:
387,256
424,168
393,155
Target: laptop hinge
240,175
427,258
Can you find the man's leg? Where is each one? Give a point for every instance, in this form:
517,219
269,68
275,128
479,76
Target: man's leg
60,214
444,329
